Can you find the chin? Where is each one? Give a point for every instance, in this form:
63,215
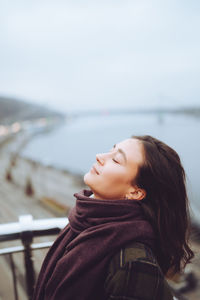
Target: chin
86,178
89,180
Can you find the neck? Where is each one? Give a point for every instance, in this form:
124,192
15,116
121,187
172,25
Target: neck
97,196
101,197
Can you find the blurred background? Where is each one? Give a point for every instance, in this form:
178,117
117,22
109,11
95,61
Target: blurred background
77,77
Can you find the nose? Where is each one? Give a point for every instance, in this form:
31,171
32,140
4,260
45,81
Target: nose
100,158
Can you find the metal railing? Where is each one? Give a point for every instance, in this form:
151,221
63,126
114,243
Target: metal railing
25,230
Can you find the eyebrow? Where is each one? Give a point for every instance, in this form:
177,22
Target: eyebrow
122,152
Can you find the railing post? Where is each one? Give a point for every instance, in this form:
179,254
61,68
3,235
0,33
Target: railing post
14,276
25,230
27,238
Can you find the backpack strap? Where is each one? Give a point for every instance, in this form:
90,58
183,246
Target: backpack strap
132,252
134,273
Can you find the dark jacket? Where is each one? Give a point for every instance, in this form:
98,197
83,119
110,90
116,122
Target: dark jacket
134,274
75,267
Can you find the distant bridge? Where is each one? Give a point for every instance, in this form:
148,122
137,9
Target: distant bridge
192,111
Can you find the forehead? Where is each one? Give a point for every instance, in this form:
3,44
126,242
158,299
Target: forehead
133,149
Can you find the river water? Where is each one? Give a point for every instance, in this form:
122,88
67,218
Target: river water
74,145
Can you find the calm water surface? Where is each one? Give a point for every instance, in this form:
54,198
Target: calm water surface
74,145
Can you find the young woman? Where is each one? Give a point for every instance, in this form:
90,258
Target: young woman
125,234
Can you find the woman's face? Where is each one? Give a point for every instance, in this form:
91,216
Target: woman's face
112,174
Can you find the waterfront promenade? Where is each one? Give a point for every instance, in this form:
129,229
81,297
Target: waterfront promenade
47,201
52,196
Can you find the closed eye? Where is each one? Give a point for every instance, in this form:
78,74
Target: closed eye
115,161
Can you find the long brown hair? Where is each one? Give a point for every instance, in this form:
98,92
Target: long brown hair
166,203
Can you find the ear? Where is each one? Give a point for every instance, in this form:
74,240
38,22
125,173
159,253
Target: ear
136,193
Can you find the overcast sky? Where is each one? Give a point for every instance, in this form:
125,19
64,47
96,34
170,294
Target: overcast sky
101,54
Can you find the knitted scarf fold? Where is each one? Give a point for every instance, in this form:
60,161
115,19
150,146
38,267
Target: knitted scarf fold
76,265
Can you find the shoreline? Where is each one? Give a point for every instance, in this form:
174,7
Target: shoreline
53,196
52,187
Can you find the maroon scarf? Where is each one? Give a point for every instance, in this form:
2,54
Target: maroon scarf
76,265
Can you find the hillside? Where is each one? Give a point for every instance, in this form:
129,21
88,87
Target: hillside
12,110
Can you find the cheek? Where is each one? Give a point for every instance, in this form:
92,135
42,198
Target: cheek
114,177
112,185
117,175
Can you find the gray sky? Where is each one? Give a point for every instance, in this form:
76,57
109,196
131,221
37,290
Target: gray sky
101,54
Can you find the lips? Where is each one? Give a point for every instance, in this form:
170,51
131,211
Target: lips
95,170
